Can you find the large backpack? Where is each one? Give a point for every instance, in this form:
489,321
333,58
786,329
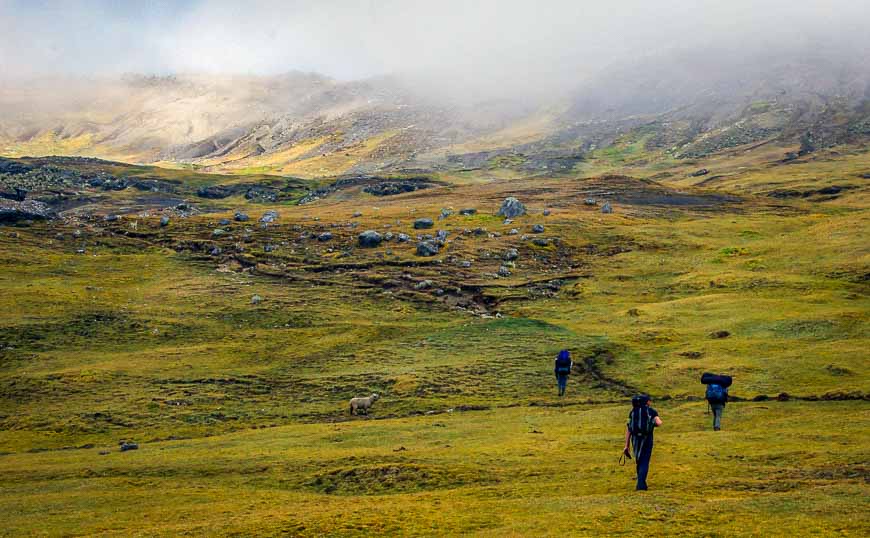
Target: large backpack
641,421
563,363
716,394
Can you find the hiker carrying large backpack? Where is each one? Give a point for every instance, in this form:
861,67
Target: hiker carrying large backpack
642,422
562,370
716,395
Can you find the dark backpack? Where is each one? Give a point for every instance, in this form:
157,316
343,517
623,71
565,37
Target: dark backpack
641,421
716,394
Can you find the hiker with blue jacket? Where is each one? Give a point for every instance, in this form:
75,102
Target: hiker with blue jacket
642,422
562,370
716,395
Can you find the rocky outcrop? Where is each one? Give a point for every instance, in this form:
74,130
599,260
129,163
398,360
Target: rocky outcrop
16,211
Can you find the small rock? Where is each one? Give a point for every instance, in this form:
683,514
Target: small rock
513,231
445,213
538,229
269,248
217,232
699,173
511,207
504,271
403,238
468,211
216,251
241,217
164,221
720,334
269,216
423,285
129,446
256,299
369,239
421,224
111,218
441,235
546,212
540,241
389,236
325,236
590,201
224,222
511,254
427,248
606,208
465,264
508,221
356,214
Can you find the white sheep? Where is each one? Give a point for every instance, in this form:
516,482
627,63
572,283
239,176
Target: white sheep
357,404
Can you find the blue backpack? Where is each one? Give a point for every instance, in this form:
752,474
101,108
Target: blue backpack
563,362
716,394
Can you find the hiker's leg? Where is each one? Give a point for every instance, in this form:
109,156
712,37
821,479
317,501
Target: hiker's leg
643,458
563,383
717,416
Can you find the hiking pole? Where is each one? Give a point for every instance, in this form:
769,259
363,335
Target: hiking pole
623,457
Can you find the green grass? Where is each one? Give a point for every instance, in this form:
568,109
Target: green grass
241,409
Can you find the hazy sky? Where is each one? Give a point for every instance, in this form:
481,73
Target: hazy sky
487,43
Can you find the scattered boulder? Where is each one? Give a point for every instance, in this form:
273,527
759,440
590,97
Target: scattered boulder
508,221
511,254
125,446
15,211
111,217
540,241
427,248
389,236
513,231
356,214
606,208
241,217
256,299
511,207
445,213
538,229
215,251
403,238
546,212
369,239
441,235
217,232
224,222
720,334
214,192
325,236
269,248
590,201
699,173
269,216
465,264
467,211
423,284
422,224
504,271
164,221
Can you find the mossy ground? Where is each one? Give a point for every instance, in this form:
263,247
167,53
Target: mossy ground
241,413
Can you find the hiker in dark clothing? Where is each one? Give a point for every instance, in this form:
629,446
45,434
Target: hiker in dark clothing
562,370
716,395
642,421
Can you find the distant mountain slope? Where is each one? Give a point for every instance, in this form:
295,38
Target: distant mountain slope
684,106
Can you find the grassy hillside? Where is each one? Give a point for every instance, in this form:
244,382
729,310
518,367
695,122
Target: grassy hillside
240,407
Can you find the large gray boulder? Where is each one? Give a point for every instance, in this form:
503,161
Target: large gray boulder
15,211
369,239
511,207
427,248
422,224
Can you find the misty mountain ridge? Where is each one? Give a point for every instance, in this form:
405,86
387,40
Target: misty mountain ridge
687,104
